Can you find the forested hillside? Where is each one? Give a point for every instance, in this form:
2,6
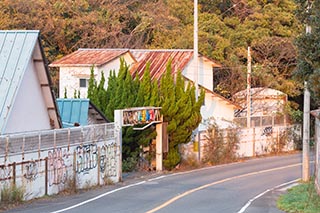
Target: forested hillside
226,29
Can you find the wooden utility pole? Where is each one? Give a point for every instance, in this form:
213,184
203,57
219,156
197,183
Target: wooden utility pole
248,89
306,135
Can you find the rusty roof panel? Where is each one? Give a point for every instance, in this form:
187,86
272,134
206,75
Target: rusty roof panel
89,57
158,60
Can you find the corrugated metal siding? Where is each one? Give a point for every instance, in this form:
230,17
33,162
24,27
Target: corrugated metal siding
73,111
158,60
16,48
89,57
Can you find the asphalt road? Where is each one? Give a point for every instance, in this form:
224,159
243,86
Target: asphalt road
225,189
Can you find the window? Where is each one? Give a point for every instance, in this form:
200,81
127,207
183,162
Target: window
84,82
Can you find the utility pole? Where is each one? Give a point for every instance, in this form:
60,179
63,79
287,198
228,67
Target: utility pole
306,134
195,46
249,89
306,122
196,66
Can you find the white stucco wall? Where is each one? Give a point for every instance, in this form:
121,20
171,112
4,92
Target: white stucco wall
69,76
205,76
29,110
53,169
216,107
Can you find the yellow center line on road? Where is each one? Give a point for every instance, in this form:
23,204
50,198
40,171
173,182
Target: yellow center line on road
172,200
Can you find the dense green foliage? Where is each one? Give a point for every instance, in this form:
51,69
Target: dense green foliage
178,107
308,68
226,29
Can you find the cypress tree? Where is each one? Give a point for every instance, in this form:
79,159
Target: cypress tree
182,112
102,94
110,96
92,84
308,64
144,91
154,96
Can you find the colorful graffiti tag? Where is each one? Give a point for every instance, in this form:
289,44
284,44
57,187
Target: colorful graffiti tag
141,116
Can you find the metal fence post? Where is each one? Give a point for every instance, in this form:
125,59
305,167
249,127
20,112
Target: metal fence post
98,167
75,169
46,176
14,173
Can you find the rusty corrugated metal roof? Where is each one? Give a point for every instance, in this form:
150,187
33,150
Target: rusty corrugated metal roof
159,59
89,57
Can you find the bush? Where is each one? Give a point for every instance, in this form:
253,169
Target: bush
172,159
221,145
12,194
129,164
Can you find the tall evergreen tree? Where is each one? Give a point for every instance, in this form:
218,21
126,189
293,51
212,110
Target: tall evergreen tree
110,95
144,91
93,89
101,94
178,107
181,110
154,96
308,67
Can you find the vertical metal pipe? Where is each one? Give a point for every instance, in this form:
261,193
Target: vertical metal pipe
249,89
306,134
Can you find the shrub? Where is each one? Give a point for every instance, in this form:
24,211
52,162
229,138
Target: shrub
172,159
12,194
130,164
221,145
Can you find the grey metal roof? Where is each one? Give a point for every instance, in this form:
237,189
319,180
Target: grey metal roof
16,49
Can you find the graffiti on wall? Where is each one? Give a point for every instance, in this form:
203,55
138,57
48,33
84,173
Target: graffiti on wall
5,172
267,131
108,160
30,170
57,167
86,158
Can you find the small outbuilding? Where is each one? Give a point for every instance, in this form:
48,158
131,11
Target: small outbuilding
267,106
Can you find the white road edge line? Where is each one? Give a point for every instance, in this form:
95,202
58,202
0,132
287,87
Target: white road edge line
98,197
242,210
132,185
